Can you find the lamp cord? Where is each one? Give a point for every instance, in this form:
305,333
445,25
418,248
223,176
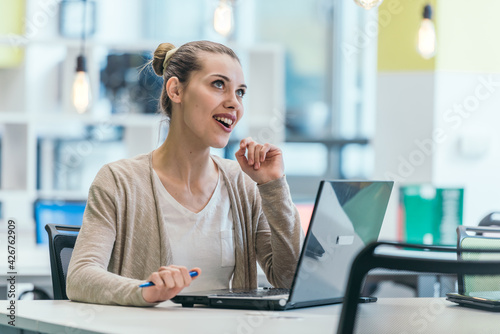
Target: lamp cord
84,21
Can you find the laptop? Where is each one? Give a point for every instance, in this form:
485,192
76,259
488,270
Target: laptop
347,215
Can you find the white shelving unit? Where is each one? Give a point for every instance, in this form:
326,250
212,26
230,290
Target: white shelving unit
35,103
19,133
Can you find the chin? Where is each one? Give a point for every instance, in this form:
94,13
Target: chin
220,144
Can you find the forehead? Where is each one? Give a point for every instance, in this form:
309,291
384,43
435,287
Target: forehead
217,63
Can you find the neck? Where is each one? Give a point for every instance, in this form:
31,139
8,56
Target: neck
188,163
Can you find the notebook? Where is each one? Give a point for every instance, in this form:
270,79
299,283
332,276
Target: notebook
347,215
483,300
477,291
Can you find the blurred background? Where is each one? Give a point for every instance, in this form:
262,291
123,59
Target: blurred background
408,91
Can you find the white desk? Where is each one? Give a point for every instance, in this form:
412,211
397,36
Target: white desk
390,315
32,265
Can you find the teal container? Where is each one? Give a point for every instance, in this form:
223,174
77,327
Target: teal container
430,215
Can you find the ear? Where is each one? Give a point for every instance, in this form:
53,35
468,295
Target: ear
173,88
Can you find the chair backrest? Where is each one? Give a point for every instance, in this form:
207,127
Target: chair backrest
491,219
62,240
477,238
369,259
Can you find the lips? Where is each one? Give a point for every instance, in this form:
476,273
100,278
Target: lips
226,120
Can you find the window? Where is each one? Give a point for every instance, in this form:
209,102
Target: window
330,84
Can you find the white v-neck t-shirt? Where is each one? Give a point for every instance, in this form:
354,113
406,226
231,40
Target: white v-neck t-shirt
203,239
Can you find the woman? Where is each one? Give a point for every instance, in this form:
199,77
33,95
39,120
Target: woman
158,216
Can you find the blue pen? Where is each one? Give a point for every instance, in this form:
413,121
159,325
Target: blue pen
143,285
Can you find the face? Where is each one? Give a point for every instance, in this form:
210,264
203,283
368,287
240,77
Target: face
212,102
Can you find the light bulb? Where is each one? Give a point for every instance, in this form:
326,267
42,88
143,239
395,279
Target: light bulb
81,87
368,4
427,39
223,18
427,35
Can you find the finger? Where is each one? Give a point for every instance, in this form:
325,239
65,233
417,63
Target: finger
183,275
179,280
240,155
245,141
167,278
156,279
248,144
263,152
251,153
177,267
198,270
256,155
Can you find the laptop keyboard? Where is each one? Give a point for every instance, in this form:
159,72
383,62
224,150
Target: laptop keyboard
256,293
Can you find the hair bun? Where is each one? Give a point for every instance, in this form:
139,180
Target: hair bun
159,57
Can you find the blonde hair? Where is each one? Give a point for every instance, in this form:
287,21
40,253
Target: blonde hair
181,63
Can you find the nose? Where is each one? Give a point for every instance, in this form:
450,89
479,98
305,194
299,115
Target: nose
231,101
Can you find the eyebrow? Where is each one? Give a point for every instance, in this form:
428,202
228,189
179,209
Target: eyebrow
227,79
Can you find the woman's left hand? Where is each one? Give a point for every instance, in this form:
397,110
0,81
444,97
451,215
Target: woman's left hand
264,162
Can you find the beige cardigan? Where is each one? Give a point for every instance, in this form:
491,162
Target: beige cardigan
123,238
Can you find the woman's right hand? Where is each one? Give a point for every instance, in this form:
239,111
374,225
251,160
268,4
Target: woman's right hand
169,281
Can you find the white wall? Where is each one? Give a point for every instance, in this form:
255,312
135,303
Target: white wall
440,128
468,111
404,122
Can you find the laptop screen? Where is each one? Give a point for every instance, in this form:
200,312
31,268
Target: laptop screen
347,216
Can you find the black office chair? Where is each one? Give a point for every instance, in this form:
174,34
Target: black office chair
491,219
62,240
368,259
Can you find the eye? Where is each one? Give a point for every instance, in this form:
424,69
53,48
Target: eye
240,92
218,84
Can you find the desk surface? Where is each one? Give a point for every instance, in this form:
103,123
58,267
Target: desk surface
31,259
388,315
32,265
